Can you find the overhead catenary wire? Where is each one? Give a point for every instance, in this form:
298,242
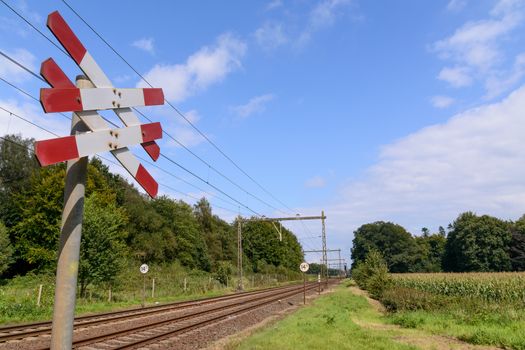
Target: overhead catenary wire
170,136
162,155
144,160
99,156
177,110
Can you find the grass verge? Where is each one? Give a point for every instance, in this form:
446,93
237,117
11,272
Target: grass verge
326,324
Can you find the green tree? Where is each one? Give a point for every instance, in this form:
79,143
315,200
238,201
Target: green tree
372,273
517,245
395,244
17,164
6,251
429,252
191,249
39,209
262,246
103,248
477,243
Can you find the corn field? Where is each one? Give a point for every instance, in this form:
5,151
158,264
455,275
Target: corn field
506,287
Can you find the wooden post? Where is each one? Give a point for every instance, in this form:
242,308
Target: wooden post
39,295
153,288
109,295
185,284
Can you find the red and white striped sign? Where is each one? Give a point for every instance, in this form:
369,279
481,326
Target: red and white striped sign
65,96
52,73
75,100
70,42
82,145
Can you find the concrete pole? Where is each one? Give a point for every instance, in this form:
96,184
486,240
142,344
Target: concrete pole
70,234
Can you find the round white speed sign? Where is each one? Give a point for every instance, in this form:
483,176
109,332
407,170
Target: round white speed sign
144,268
304,267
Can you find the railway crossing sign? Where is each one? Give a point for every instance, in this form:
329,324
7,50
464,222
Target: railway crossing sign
304,267
91,93
144,268
64,96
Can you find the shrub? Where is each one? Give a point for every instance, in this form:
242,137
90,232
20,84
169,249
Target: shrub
372,274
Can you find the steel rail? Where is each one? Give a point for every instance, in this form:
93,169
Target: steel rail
44,327
208,321
153,325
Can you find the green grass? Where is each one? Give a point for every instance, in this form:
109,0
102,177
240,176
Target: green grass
18,296
479,308
500,329
326,324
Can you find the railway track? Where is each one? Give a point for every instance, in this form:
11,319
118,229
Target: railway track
247,298
38,328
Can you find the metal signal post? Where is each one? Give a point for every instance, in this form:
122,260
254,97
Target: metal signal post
70,234
92,92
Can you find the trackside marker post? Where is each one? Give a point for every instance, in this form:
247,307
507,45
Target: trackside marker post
304,267
90,134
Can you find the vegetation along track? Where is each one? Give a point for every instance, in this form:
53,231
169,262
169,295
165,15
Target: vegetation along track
40,328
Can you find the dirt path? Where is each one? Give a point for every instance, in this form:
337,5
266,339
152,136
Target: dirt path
413,337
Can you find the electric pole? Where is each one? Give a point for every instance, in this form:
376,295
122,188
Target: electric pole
325,258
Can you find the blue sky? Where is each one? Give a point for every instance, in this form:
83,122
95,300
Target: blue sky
410,111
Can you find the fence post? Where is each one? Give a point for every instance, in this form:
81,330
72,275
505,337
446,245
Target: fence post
39,295
153,288
109,295
185,284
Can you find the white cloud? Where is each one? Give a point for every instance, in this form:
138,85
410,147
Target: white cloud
315,182
145,44
274,4
11,71
324,14
209,65
498,83
442,101
475,161
477,48
270,36
32,112
254,105
182,132
456,5
457,76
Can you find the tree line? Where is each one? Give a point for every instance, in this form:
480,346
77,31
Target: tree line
120,225
471,243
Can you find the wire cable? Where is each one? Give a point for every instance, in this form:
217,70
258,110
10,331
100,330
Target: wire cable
99,156
35,28
175,108
164,156
164,132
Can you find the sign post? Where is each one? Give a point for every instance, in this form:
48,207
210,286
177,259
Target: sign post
319,283
304,267
144,268
92,92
